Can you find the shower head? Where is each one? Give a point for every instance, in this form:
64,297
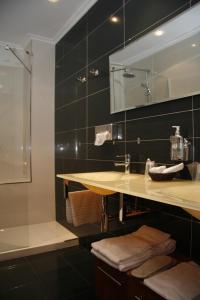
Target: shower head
128,74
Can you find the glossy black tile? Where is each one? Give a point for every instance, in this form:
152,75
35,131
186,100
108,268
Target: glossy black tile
14,274
197,149
71,144
98,166
72,116
48,262
71,89
75,35
74,165
101,81
196,115
196,101
159,127
61,213
193,2
159,151
82,261
31,291
64,283
195,240
60,200
112,32
99,110
108,151
74,61
180,230
59,51
137,20
100,12
161,108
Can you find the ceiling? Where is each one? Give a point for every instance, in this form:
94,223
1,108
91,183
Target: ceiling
24,18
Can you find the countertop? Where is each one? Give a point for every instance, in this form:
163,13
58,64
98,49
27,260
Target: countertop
182,193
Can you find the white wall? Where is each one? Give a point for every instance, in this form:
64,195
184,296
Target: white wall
34,202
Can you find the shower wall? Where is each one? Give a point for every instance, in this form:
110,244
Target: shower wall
33,202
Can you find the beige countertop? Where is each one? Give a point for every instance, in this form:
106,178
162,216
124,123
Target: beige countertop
182,193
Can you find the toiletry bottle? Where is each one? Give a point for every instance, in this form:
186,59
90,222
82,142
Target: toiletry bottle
148,166
176,145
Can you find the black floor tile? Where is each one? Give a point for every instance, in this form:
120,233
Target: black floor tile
47,262
15,273
32,291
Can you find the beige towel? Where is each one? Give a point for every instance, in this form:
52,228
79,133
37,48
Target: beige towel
85,207
181,282
167,248
137,244
153,266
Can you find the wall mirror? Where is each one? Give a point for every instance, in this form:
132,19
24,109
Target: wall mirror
162,65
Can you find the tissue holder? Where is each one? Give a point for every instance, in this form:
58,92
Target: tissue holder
114,131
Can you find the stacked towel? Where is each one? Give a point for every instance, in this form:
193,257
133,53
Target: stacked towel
83,207
131,250
181,282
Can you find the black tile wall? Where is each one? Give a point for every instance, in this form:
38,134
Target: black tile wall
82,105
143,15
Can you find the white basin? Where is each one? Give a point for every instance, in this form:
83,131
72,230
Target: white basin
102,177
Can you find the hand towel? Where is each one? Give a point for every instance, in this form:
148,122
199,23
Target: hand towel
152,266
136,244
85,207
157,169
174,169
134,262
181,282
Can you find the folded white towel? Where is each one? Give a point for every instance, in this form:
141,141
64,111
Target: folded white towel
133,262
137,244
181,282
157,169
174,169
68,212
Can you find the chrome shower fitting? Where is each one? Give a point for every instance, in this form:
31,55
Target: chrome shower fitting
82,79
94,72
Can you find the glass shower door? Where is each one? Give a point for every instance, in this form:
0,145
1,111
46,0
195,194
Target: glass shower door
14,117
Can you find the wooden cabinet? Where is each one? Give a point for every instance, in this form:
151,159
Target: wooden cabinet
114,285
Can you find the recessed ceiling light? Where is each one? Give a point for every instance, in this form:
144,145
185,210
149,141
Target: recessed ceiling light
159,32
114,19
194,45
53,1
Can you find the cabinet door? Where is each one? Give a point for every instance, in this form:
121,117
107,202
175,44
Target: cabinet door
107,286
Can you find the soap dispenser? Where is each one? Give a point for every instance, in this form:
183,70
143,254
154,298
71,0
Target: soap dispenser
177,145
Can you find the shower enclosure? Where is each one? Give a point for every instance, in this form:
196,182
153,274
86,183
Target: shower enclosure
15,77
22,229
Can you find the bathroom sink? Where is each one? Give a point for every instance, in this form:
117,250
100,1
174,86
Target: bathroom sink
101,177
104,176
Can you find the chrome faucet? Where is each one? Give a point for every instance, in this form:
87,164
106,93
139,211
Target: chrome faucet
126,163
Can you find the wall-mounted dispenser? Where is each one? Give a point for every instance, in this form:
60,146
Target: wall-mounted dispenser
108,132
179,146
